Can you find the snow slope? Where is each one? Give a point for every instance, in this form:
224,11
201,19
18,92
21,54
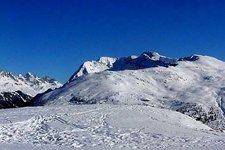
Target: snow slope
193,85
28,84
101,127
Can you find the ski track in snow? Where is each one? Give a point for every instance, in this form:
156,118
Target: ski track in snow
91,127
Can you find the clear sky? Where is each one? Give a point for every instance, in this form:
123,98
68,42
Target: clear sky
53,37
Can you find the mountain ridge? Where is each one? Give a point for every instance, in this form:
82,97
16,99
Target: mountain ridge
145,60
27,83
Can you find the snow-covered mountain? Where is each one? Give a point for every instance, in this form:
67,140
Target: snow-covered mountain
28,83
193,85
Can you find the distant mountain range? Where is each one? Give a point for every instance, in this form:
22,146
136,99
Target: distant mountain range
17,91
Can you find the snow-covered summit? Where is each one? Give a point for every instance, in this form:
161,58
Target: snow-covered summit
145,60
104,63
28,83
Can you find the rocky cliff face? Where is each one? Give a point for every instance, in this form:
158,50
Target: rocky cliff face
14,99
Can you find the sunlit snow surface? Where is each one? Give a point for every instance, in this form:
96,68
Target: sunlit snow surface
104,127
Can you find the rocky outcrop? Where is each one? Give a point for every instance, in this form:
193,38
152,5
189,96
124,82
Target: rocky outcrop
14,99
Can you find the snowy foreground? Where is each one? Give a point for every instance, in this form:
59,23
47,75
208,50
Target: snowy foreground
103,127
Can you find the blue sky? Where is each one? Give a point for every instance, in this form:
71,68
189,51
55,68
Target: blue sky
53,37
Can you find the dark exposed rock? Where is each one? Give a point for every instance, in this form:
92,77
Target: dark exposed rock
191,58
14,99
213,117
76,100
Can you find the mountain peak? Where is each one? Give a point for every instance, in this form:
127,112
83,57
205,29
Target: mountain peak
29,74
151,55
106,60
145,60
28,83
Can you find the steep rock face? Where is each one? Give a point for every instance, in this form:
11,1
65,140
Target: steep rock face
14,99
191,85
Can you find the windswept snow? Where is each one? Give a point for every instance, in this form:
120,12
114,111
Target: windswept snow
104,127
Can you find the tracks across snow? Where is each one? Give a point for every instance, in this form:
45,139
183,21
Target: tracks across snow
100,126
